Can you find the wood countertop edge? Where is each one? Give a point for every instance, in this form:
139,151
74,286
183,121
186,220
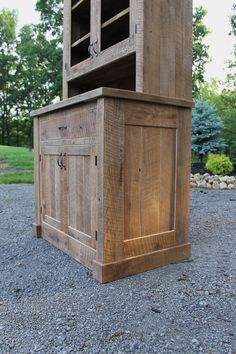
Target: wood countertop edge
113,93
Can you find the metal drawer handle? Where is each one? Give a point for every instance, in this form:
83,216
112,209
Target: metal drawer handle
63,127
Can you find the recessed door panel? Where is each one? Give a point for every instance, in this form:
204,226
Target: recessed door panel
82,191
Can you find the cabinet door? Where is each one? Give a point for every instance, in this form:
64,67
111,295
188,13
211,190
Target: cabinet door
81,173
53,187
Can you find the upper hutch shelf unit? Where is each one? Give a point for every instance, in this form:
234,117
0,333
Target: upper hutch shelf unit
139,45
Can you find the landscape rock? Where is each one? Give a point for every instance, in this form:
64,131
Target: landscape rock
223,185
212,181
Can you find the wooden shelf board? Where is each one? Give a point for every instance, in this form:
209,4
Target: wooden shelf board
115,18
76,43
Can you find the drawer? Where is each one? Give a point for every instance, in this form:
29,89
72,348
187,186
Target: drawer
69,124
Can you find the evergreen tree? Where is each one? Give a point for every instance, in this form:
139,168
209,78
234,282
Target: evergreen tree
206,128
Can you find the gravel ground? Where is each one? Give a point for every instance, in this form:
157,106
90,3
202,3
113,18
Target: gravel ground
49,303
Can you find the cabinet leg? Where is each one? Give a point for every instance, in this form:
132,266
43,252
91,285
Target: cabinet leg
37,230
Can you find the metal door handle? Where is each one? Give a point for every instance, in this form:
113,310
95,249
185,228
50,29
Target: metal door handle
95,48
89,50
59,161
62,163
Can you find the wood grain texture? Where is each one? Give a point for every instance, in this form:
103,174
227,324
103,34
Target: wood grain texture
147,244
79,251
150,169
66,46
182,175
158,32
120,204
113,271
113,93
167,58
37,179
113,160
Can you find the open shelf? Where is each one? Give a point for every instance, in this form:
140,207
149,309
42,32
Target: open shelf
119,74
115,18
79,41
80,21
79,50
108,11
115,30
77,3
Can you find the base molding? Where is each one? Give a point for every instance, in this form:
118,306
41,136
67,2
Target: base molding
130,266
37,230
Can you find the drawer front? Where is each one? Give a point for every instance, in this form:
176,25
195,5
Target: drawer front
78,122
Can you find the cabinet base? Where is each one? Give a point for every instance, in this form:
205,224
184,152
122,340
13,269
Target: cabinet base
114,271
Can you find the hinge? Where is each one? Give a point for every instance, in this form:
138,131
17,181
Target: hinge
65,66
96,160
41,210
40,157
136,28
96,235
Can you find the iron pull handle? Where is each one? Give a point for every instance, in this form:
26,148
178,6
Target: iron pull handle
90,50
59,161
95,48
63,127
62,162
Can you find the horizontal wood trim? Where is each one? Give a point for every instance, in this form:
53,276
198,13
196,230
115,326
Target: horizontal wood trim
107,56
74,248
75,150
114,93
160,118
51,150
113,271
52,222
115,18
147,244
64,142
82,237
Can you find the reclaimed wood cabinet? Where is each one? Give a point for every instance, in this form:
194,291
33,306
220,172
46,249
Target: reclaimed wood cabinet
138,45
112,180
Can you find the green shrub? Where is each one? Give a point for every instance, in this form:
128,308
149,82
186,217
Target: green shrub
219,164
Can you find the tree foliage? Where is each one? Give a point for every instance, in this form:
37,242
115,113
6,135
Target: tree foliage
51,12
200,49
30,76
206,130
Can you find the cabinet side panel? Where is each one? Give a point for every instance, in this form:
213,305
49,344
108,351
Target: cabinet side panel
167,55
37,178
113,180
182,175
150,162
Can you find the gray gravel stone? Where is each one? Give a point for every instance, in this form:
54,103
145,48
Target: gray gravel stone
49,303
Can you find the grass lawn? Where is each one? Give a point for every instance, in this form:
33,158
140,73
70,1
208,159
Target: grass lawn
16,165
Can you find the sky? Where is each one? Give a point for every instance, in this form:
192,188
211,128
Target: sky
217,19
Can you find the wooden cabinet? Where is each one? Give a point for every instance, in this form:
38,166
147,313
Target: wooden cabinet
112,180
139,45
